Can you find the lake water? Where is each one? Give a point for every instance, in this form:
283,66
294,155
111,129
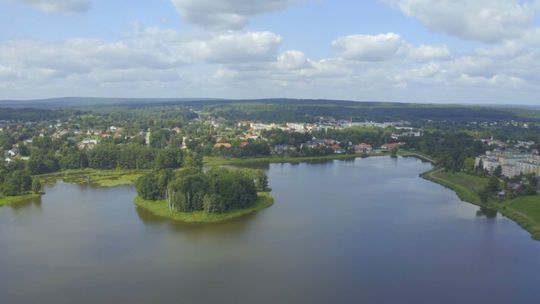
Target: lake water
363,231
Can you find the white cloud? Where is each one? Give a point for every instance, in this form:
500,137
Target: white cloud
233,47
383,47
368,47
147,56
292,60
487,21
59,6
225,14
428,52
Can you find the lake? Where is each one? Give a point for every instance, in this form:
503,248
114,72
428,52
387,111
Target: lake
362,231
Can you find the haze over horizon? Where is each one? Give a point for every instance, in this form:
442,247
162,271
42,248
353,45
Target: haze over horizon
422,51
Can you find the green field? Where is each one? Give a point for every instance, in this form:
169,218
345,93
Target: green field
160,208
465,185
526,212
523,210
101,178
8,200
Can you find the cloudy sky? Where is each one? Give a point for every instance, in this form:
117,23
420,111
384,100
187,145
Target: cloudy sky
460,51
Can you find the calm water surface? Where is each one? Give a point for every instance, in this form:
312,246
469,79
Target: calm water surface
363,231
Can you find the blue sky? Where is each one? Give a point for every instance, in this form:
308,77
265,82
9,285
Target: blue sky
483,51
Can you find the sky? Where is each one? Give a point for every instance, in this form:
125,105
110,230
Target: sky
434,51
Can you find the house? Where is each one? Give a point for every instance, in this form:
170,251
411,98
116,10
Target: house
87,144
283,149
363,148
391,146
223,145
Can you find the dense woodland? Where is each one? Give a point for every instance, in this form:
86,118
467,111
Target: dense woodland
216,191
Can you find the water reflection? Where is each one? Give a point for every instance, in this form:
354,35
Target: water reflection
31,203
339,232
487,212
233,226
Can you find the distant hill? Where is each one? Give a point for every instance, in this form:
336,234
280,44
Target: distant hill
284,109
91,101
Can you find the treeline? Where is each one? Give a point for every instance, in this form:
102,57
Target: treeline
32,114
216,191
16,180
282,110
449,149
46,159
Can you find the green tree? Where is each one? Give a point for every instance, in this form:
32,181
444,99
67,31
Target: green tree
36,185
498,172
493,184
468,164
148,187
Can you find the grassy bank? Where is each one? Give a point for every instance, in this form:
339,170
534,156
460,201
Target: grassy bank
160,208
409,153
8,200
523,210
222,161
101,178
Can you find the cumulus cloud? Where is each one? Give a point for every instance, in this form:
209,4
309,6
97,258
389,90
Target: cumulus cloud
59,6
292,60
383,47
237,47
368,47
147,56
225,14
488,21
428,52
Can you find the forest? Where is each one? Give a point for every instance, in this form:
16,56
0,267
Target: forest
217,190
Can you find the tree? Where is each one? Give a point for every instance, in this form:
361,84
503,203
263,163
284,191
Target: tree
169,158
484,195
394,152
193,160
498,172
186,194
468,164
259,178
17,183
148,187
493,184
36,185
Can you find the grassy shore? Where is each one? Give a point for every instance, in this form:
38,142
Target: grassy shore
8,200
408,153
222,161
160,208
523,210
101,178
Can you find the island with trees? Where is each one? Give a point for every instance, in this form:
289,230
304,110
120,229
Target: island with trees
193,196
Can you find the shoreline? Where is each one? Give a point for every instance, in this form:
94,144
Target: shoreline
223,161
101,178
160,208
120,177
506,208
11,200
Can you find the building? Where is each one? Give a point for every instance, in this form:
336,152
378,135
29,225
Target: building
223,145
363,148
389,147
512,162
